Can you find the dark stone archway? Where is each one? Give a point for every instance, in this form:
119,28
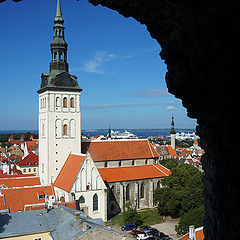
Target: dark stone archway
199,42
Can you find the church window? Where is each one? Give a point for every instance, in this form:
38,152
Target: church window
72,128
72,102
81,199
127,193
61,56
55,56
142,191
58,102
65,129
95,202
64,102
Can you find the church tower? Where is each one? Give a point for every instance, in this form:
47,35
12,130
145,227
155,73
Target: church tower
172,134
59,108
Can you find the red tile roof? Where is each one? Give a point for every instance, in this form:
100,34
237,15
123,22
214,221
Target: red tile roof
108,150
133,173
171,151
19,181
198,232
69,171
30,160
17,198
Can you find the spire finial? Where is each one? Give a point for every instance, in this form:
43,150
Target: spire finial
58,11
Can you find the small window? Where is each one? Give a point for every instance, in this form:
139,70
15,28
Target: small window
127,193
146,161
81,199
58,102
72,102
24,170
95,202
29,170
142,191
106,164
61,56
41,196
55,56
65,129
34,170
65,102
133,162
120,163
38,238
29,163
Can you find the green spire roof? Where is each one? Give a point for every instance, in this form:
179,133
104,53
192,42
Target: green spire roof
58,12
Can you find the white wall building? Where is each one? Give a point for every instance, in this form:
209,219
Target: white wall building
59,109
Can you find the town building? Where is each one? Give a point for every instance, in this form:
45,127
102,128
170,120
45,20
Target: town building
56,223
29,164
59,108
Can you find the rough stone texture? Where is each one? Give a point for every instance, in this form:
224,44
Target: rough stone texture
199,41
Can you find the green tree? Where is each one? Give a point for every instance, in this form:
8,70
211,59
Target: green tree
182,191
131,215
192,217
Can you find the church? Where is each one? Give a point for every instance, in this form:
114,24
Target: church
100,175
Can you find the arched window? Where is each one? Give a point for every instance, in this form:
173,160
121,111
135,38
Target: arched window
142,191
81,199
65,130
95,202
57,101
127,193
61,56
72,102
64,102
55,55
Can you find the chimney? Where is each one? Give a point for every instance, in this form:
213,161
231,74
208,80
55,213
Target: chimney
192,233
76,216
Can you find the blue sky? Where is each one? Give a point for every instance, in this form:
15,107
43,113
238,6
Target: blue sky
116,61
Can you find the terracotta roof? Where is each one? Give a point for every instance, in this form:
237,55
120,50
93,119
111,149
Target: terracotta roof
133,173
30,160
17,198
31,144
171,151
19,181
69,171
198,232
186,152
108,150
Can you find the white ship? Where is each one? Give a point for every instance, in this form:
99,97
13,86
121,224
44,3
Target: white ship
185,136
124,135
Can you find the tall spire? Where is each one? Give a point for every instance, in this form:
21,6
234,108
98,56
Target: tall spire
172,126
58,45
59,11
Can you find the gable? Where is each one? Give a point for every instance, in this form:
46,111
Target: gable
69,171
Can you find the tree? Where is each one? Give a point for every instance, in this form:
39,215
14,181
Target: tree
131,215
181,192
192,217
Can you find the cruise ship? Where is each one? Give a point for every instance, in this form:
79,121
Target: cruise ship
122,135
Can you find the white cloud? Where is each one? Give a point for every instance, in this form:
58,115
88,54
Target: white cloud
150,92
171,108
96,63
104,106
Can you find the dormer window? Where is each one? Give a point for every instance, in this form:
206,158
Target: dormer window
41,195
29,163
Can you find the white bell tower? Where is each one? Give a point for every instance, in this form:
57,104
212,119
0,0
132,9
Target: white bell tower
59,109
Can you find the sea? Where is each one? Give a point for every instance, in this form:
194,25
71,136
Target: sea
140,133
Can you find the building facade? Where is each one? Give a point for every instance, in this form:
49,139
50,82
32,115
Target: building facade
59,108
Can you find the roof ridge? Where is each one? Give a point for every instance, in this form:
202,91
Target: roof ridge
160,169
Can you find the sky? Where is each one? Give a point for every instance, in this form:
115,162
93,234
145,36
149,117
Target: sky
115,59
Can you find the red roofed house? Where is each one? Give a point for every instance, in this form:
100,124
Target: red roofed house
111,173
194,234
29,164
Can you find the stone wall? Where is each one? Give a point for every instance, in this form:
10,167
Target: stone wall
199,41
